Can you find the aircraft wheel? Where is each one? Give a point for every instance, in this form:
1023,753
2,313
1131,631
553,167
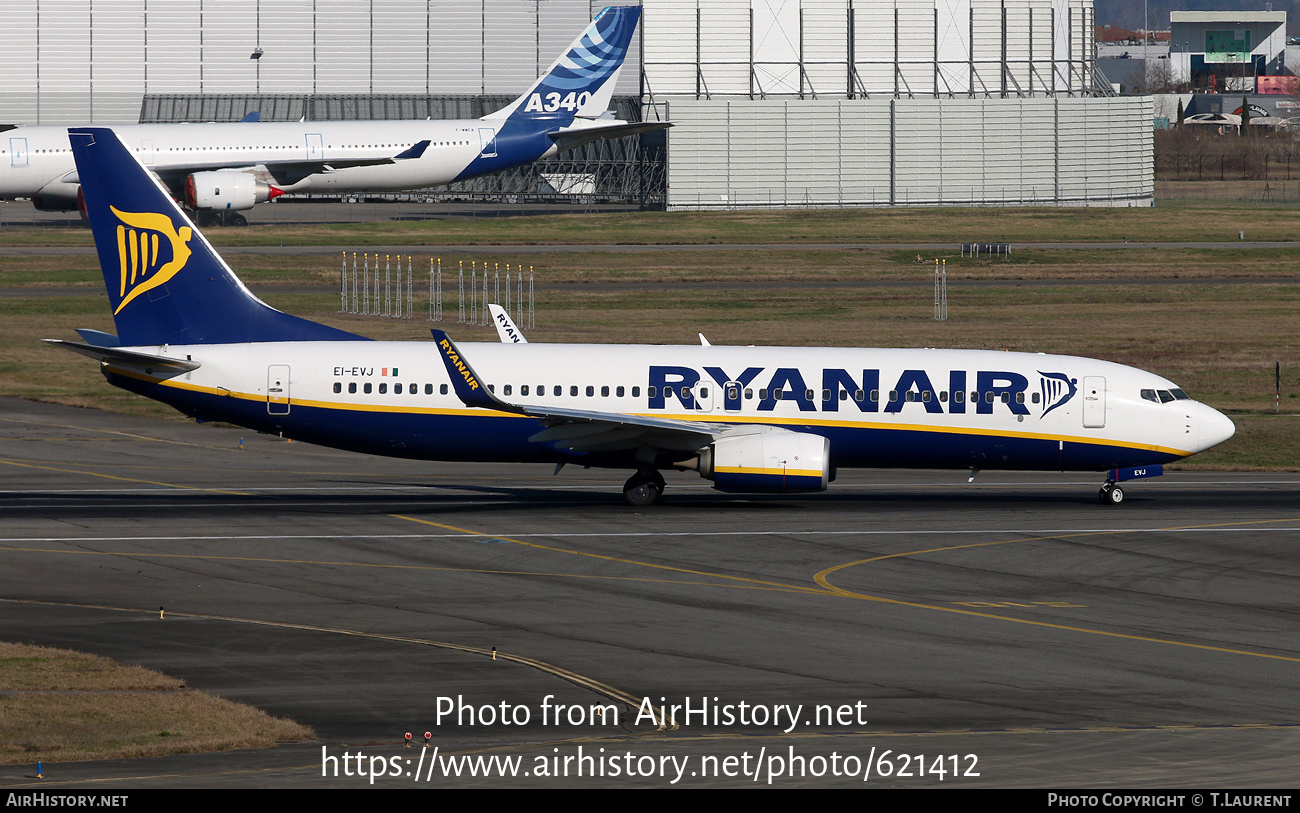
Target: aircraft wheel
237,220
641,490
1111,494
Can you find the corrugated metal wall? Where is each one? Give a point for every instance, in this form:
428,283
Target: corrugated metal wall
728,153
851,48
92,61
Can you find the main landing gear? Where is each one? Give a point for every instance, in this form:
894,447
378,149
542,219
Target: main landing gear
643,488
207,218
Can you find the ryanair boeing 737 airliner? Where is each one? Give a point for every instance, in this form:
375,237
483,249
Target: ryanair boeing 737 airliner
751,419
224,168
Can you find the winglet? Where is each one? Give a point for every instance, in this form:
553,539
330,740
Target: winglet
470,388
506,329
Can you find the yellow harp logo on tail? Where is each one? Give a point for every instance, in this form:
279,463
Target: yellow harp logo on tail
138,251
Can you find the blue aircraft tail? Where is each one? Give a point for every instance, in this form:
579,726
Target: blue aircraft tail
166,283
577,85
581,82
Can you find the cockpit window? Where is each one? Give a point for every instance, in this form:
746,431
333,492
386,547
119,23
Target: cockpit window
1179,395
1150,395
1166,396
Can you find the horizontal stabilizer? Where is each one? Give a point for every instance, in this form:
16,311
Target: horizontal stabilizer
130,358
576,136
98,337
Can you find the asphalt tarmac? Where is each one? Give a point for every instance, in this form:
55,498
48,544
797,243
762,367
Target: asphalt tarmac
904,629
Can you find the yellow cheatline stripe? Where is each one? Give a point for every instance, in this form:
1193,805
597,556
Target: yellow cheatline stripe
617,695
124,479
778,472
706,418
743,581
821,579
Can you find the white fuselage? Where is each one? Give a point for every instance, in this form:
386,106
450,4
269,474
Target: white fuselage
38,160
878,407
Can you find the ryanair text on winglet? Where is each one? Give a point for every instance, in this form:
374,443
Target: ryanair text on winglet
454,357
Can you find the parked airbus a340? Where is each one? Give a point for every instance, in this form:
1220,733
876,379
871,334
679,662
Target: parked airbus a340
751,419
226,168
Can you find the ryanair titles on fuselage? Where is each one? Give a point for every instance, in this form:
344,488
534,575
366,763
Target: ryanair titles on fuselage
864,392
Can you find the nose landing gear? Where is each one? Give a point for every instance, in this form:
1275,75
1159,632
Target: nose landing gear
1111,494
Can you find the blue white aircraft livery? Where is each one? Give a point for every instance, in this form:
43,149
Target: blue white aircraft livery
751,419
227,168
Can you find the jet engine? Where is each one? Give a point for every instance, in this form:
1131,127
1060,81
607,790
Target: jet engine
227,189
771,461
54,203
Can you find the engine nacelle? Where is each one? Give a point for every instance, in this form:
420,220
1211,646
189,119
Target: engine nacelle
54,203
227,189
769,461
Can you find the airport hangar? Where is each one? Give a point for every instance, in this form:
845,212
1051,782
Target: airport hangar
777,103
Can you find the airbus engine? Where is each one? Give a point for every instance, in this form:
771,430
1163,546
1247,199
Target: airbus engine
227,189
769,461
54,203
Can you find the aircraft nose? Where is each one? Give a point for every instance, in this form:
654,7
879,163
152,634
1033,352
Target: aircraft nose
1215,427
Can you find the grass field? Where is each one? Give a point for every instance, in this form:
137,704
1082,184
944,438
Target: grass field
1189,222
62,706
1220,341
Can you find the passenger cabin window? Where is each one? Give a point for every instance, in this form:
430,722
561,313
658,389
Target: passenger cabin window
442,389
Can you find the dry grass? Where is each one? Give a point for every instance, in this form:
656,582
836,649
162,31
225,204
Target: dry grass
63,706
923,225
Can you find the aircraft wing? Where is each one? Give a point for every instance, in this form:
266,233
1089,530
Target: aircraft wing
291,170
129,358
575,135
578,430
